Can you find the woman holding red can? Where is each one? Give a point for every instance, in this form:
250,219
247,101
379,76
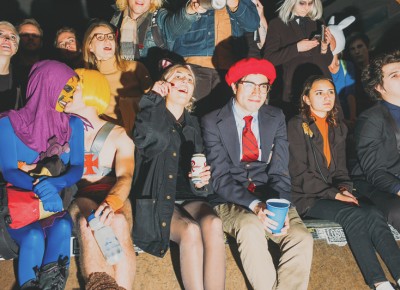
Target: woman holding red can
169,205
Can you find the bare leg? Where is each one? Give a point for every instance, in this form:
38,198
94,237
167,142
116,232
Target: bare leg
126,268
92,259
213,241
186,233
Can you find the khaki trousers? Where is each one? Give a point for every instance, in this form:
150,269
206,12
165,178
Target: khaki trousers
296,249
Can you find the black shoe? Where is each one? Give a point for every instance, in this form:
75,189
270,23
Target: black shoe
53,276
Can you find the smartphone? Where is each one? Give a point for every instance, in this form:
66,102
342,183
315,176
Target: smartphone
323,33
317,37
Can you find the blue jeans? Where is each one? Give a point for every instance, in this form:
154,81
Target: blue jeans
366,230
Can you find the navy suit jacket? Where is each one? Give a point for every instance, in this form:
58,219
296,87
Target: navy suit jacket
230,176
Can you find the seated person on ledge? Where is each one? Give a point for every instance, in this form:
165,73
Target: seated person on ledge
247,148
321,186
106,182
377,138
41,129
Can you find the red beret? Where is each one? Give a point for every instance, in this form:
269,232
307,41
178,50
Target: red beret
249,66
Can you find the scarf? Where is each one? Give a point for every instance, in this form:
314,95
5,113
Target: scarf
129,35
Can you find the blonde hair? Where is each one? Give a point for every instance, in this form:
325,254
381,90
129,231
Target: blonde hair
286,10
171,71
154,5
95,89
12,28
89,57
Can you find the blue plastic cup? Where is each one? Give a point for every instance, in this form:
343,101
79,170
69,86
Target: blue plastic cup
279,207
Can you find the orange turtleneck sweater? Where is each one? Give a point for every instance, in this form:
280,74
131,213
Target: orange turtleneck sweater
323,128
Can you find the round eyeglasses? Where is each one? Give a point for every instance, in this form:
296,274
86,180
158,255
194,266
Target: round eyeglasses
102,36
250,86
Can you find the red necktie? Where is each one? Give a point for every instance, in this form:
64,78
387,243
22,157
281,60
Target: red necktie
249,142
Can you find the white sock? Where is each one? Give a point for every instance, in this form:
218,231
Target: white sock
384,286
398,282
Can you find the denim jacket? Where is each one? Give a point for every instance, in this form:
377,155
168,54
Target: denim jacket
200,39
170,24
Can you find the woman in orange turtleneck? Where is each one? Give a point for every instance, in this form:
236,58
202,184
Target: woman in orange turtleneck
321,186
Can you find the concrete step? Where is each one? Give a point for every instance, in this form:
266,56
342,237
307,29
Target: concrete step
333,267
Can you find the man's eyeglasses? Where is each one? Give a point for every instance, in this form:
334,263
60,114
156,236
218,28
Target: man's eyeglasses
101,36
29,35
250,86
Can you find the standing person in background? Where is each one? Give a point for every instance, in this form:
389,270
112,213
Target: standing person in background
294,41
342,71
343,76
358,52
261,32
166,136
321,186
128,80
247,148
29,52
105,185
68,47
147,32
10,95
146,25
41,129
377,138
254,41
212,45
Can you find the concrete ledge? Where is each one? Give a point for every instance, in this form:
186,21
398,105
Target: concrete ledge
333,268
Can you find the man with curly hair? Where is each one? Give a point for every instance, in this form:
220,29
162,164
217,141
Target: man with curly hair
377,137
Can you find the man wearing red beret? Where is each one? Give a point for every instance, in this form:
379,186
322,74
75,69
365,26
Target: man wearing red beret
247,148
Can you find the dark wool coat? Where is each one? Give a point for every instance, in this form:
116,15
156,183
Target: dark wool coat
230,176
281,49
377,144
156,167
311,178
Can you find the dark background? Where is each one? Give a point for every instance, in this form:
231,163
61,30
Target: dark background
379,19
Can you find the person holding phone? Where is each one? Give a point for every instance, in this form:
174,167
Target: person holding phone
292,43
321,186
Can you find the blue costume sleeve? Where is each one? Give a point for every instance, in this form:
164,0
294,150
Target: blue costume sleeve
9,156
75,166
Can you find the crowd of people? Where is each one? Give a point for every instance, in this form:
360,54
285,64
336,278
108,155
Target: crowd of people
109,126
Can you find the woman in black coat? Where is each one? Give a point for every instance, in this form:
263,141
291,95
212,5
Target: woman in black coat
321,187
169,206
294,41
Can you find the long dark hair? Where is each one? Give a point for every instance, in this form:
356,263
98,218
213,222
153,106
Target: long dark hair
305,110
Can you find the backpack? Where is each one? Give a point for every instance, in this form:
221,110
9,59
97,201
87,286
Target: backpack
8,248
